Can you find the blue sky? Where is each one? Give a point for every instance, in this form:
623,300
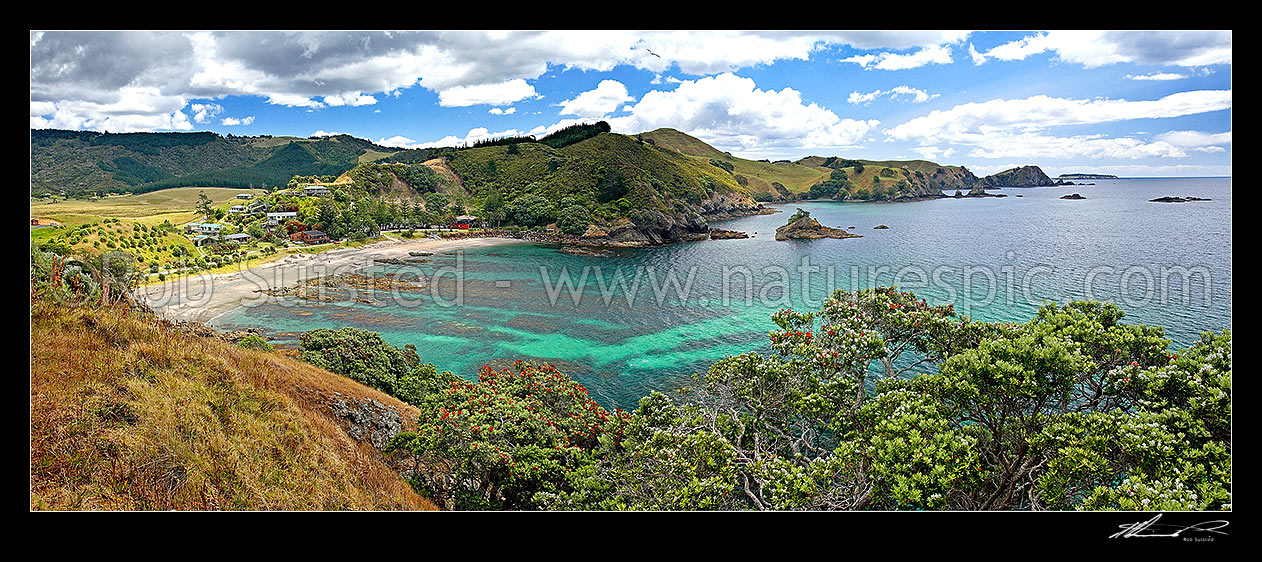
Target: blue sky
1130,103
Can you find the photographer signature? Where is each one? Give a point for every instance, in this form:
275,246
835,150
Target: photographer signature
1150,528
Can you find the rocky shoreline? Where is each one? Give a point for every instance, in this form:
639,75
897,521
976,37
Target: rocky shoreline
623,233
314,289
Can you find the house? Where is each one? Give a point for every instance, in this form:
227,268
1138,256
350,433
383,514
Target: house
239,237
274,219
208,228
245,196
316,191
463,222
310,237
236,209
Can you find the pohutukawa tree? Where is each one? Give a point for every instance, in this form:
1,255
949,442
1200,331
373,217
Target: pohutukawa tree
880,401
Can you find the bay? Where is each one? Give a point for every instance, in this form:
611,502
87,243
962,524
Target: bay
995,259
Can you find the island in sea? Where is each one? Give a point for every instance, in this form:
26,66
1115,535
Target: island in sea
1086,177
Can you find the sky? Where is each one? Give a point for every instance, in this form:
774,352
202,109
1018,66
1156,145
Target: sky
1129,103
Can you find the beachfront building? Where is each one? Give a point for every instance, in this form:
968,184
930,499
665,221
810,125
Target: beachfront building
463,222
310,237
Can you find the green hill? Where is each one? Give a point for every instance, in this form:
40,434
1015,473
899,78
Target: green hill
72,163
662,193
758,177
818,177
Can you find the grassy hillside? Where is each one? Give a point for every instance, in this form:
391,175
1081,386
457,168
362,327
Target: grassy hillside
615,173
129,414
175,205
758,177
79,162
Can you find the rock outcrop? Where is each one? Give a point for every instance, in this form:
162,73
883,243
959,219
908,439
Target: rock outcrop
802,226
1169,199
722,234
369,420
1073,196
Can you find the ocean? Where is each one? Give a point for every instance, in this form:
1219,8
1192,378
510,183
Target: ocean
995,259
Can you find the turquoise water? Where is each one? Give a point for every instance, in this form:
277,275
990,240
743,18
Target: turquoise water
994,258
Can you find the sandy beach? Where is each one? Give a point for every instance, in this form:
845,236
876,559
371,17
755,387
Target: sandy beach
203,298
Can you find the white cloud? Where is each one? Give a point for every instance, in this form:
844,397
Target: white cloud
1040,112
1099,48
1195,139
487,94
933,152
935,54
977,57
316,69
233,121
203,112
914,95
1156,76
732,114
353,99
132,109
1034,146
324,133
474,135
602,100
498,111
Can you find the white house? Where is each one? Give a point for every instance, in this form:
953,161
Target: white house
316,190
208,228
274,219
246,196
236,209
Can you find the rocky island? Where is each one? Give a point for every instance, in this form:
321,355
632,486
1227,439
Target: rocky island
1169,199
802,226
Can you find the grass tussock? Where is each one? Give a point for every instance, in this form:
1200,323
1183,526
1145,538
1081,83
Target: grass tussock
129,414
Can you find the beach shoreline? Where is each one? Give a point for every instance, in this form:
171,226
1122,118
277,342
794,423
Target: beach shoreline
205,298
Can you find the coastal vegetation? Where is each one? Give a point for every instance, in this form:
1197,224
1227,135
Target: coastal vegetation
876,401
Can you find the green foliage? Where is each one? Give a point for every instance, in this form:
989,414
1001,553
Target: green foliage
799,215
723,165
531,210
256,343
509,440
574,134
880,401
574,220
360,355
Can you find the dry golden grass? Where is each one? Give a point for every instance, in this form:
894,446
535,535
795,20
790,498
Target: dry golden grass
129,414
